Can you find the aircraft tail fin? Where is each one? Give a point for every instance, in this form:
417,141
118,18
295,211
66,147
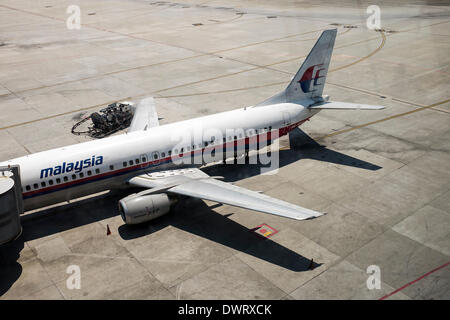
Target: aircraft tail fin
309,81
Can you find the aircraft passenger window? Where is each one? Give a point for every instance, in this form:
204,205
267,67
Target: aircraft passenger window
74,177
35,186
111,167
181,150
28,188
270,128
58,180
43,183
163,154
224,139
206,144
50,182
89,172
169,152
124,163
130,162
65,179
81,174
97,171
155,156
137,161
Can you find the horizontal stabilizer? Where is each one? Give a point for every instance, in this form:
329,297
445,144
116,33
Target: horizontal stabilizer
345,106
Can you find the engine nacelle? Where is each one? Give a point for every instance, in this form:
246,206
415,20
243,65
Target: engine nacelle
137,208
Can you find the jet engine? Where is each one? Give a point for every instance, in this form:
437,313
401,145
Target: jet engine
137,208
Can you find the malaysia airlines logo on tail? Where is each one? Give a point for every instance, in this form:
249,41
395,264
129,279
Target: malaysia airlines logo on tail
311,78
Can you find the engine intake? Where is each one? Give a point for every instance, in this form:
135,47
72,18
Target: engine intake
137,208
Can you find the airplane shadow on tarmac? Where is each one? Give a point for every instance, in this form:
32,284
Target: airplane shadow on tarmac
191,215
302,146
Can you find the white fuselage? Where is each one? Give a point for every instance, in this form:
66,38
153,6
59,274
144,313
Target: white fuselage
73,171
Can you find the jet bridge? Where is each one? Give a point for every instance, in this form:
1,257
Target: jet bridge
11,203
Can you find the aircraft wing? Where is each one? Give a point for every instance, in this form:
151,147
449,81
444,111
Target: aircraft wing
345,105
145,115
198,184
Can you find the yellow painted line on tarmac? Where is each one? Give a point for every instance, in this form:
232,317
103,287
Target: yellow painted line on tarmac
383,41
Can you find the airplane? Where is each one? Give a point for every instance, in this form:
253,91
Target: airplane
147,156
